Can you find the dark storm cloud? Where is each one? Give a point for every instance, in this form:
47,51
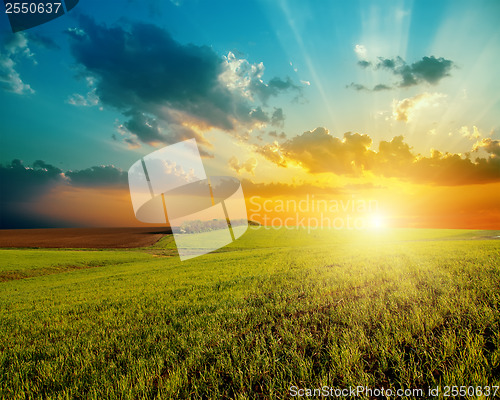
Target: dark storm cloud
22,187
104,175
22,183
165,88
19,181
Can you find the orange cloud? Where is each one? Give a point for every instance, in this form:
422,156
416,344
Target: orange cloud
318,151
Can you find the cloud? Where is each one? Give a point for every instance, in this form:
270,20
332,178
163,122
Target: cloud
22,187
318,151
22,183
466,133
41,40
379,87
280,190
278,118
248,166
98,176
405,109
364,64
360,50
429,70
490,146
89,100
169,91
14,48
275,134
27,190
376,88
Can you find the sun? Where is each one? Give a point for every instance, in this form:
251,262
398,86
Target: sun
378,221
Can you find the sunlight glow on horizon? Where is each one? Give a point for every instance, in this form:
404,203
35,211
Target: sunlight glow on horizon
378,222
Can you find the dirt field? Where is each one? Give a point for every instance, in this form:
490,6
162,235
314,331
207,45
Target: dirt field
99,238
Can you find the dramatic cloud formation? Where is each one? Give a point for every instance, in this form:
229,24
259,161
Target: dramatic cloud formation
16,46
318,151
428,70
405,109
169,91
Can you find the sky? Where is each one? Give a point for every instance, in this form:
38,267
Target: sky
385,110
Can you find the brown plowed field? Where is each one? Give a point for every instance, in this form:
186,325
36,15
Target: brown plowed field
100,238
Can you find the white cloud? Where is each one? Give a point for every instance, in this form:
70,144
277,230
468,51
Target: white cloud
360,50
10,80
239,74
405,109
467,133
89,100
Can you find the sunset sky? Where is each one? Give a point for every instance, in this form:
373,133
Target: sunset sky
396,102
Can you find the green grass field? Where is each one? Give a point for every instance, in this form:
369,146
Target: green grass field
277,308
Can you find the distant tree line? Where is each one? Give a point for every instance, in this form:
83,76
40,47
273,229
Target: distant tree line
198,226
